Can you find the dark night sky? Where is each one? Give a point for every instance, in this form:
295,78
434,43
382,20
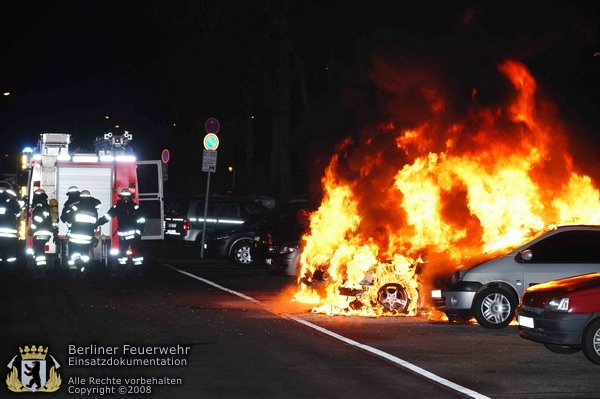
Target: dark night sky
69,63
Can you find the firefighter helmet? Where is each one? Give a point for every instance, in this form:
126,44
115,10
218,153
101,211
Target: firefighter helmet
125,193
40,195
72,190
85,193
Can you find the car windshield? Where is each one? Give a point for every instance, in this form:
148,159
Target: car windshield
530,238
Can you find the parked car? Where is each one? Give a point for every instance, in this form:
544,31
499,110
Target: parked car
184,219
563,315
232,243
267,201
276,244
491,290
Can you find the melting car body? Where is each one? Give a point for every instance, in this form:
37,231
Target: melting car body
391,296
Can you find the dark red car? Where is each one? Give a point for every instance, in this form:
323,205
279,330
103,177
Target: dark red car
564,315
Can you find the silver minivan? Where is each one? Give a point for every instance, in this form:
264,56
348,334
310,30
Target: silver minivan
491,290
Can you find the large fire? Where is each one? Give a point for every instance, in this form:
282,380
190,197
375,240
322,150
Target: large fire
408,204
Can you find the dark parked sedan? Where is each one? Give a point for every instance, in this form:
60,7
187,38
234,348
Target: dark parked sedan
232,243
564,315
277,237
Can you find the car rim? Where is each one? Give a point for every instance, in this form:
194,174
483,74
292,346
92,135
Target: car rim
496,308
596,342
243,255
393,297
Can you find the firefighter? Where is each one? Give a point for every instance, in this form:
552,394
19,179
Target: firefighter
10,210
72,196
130,226
41,227
81,216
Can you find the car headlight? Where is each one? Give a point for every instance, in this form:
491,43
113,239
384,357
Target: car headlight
558,304
287,249
457,277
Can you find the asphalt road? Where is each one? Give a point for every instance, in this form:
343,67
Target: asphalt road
232,333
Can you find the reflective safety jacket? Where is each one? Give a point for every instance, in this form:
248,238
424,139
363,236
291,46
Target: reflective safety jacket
41,221
82,216
10,210
131,222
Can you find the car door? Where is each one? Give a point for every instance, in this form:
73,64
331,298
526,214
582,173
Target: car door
563,254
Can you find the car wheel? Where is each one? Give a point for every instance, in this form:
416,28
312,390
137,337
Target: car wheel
393,297
241,253
494,308
561,349
591,342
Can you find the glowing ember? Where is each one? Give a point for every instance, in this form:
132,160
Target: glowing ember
408,204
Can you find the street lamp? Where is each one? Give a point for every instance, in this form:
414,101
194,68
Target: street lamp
232,170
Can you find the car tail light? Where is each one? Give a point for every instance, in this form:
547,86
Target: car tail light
186,225
268,239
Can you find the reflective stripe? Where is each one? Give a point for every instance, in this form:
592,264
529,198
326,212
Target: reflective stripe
85,218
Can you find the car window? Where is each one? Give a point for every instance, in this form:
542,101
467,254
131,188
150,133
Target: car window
228,210
211,209
252,210
178,208
574,246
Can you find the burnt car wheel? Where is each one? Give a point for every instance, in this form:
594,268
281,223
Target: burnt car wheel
494,308
393,297
561,349
591,342
241,253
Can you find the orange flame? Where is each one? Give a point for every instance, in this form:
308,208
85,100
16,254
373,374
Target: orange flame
410,204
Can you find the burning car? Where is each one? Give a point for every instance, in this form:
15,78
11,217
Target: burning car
452,186
392,297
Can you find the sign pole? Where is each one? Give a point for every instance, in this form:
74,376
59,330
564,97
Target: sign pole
209,164
205,213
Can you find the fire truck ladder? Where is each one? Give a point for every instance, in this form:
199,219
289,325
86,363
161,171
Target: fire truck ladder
52,146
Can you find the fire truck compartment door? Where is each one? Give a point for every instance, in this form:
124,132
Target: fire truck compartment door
150,192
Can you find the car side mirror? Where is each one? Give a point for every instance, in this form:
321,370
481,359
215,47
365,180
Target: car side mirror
526,255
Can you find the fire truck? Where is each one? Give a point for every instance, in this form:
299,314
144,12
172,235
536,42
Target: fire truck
105,171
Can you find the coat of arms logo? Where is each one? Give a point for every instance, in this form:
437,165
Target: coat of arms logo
36,373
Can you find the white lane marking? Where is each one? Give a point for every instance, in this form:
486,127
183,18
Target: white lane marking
400,362
213,284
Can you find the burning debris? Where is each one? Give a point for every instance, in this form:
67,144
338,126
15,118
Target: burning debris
404,205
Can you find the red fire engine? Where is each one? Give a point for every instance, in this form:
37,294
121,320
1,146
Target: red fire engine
107,170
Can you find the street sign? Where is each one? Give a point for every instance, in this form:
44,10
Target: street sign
211,142
212,125
165,156
209,161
